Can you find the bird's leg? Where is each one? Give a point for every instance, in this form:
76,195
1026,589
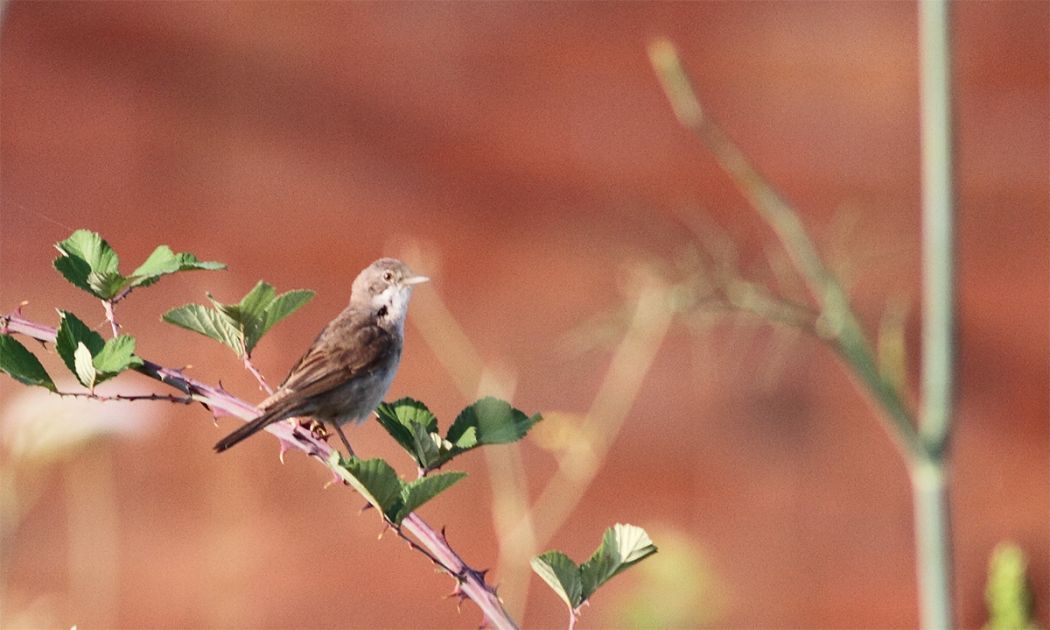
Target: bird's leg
346,442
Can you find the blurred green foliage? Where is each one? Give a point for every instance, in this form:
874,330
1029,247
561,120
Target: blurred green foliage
677,588
1007,594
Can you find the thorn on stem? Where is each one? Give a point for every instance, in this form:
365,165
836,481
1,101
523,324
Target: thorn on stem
334,480
456,592
285,447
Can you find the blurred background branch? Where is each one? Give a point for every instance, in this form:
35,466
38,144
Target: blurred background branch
922,446
837,322
524,525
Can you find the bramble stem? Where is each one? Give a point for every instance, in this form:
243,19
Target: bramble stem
471,582
248,365
180,400
111,317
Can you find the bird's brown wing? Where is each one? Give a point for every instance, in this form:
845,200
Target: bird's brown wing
343,350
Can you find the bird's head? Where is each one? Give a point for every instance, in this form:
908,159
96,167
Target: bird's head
384,288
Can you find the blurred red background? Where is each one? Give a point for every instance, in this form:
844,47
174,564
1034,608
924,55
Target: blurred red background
526,152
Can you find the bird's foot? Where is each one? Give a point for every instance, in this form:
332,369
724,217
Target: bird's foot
316,428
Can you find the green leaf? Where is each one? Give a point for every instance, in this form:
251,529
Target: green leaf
279,308
254,303
107,285
163,261
261,309
415,428
386,413
494,422
116,356
427,447
407,412
85,370
92,249
467,440
247,315
622,546
418,492
208,322
284,305
488,421
240,326
90,263
377,481
76,270
22,365
100,360
562,575
71,333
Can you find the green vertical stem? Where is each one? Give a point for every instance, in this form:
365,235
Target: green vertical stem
937,226
929,476
932,543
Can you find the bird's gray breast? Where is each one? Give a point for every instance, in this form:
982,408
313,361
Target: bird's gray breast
356,399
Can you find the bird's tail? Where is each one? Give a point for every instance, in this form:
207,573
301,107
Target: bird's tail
254,426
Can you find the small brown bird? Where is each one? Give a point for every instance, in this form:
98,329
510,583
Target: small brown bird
345,374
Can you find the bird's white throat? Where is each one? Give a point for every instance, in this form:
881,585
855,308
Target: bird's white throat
391,306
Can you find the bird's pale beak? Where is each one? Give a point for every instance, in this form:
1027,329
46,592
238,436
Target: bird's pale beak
415,280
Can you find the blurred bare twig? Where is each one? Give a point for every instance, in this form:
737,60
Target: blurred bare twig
523,526
922,446
631,361
839,325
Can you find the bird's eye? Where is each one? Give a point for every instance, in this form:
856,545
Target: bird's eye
388,276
